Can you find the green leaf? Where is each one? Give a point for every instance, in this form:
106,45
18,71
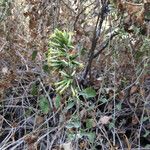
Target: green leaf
58,101
103,100
28,112
146,133
69,125
145,119
71,136
46,68
73,124
111,125
88,92
44,105
77,124
34,54
34,89
91,136
89,123
70,105
119,106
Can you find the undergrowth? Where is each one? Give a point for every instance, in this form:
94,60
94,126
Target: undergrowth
74,77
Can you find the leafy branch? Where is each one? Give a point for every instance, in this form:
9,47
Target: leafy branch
62,58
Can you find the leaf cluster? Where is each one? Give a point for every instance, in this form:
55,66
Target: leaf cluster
63,58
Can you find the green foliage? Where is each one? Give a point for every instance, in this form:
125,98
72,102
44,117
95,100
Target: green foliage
111,125
60,48
46,68
57,101
70,104
34,54
88,93
62,58
74,122
90,135
89,123
34,89
119,106
147,133
44,105
103,100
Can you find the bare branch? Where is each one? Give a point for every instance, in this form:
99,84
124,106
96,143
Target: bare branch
104,45
96,34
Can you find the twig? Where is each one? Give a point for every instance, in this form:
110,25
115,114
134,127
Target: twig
77,17
96,34
49,99
68,6
104,45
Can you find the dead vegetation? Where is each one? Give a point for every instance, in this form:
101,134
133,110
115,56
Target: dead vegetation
112,110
